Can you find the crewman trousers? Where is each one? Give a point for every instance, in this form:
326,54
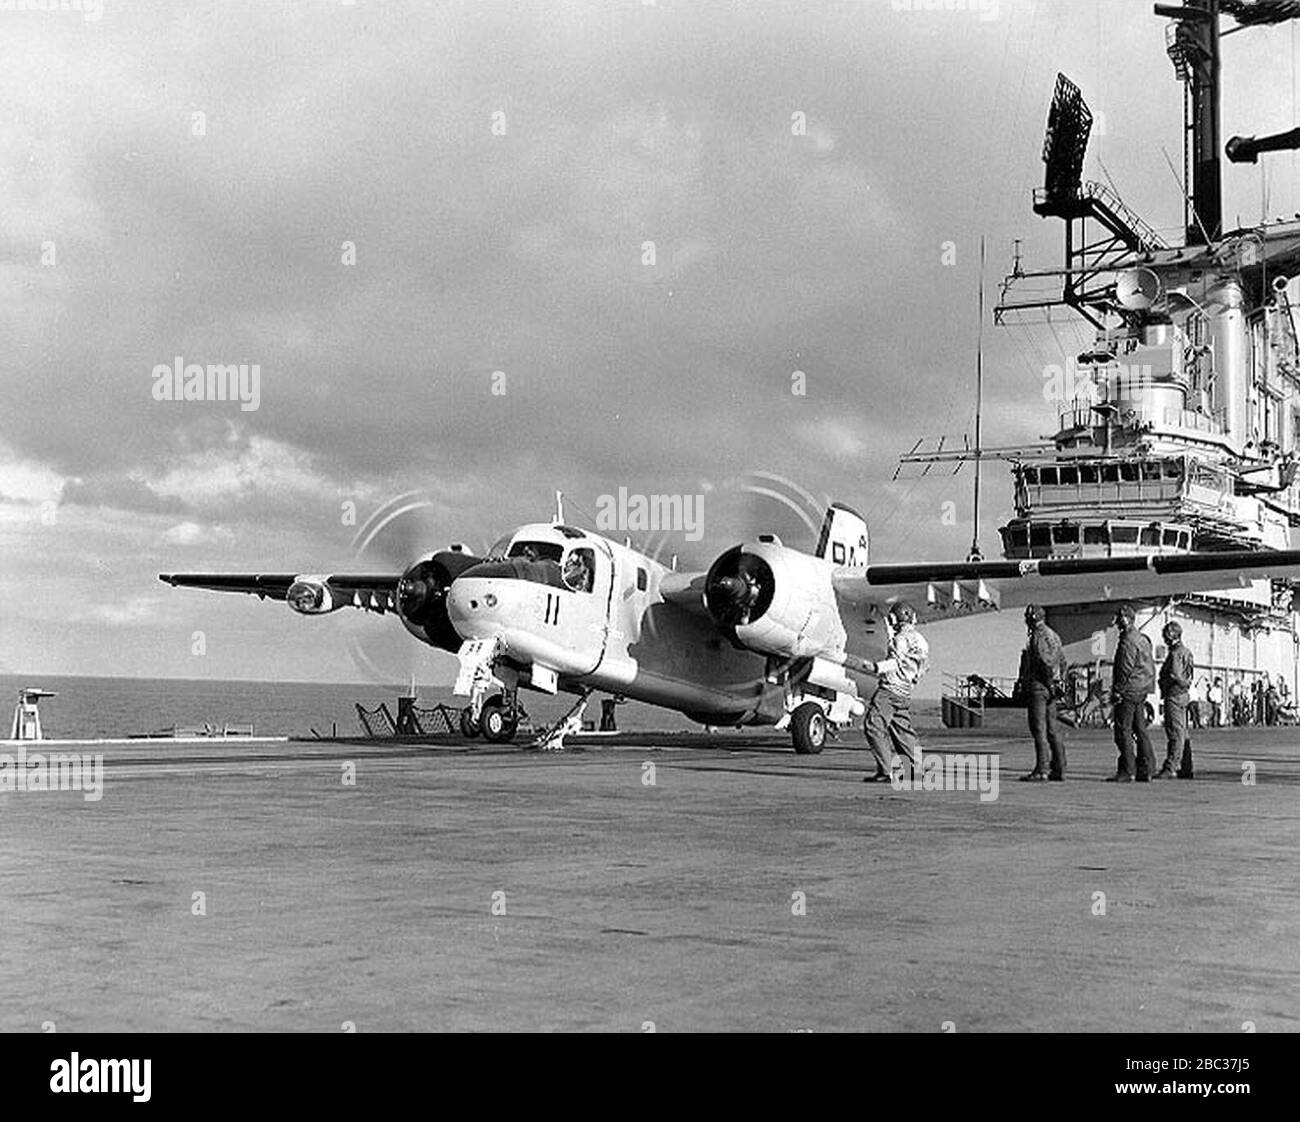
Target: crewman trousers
889,730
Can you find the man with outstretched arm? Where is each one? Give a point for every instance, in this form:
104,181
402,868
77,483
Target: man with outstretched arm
888,723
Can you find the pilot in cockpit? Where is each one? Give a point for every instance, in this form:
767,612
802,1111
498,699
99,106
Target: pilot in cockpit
577,571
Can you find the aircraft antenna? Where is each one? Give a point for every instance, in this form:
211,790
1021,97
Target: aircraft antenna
559,508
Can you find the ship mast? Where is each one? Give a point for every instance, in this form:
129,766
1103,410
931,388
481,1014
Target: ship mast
975,554
1193,46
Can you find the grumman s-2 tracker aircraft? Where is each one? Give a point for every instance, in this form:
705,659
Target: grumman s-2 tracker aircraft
768,635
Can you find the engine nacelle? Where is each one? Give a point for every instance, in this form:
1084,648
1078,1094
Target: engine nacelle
422,597
311,596
774,600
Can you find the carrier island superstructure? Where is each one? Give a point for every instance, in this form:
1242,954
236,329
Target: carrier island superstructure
1179,427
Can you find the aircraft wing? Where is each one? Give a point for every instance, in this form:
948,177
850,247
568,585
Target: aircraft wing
944,590
371,591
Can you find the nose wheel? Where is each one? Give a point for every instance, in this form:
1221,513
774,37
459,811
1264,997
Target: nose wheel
499,720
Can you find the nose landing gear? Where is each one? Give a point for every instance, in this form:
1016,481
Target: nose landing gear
499,720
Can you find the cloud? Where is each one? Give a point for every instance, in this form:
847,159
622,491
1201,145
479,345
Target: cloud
128,613
23,481
191,533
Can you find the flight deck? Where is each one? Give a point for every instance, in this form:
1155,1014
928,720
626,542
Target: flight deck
640,881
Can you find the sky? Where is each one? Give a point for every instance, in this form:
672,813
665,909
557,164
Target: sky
480,252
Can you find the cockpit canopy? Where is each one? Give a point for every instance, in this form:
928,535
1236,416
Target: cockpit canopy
533,558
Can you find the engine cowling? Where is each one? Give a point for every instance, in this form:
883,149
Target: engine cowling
422,597
774,600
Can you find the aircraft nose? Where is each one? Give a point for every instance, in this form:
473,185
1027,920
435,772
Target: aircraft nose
472,605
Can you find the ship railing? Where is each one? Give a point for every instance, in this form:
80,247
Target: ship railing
1145,232
1073,416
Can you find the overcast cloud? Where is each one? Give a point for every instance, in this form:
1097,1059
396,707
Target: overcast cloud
180,179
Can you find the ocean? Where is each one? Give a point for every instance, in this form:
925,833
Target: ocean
120,707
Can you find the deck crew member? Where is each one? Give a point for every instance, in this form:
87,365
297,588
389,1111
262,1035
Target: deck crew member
1134,677
888,723
1198,709
1175,683
1042,681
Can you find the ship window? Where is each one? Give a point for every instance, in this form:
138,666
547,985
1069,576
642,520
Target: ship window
1048,476
1069,476
1067,533
1151,535
1128,473
1094,535
640,580
1031,476
1040,536
1171,537
1151,471
1124,535
1088,473
1110,473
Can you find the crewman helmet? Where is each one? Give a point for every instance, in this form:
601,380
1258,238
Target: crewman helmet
902,613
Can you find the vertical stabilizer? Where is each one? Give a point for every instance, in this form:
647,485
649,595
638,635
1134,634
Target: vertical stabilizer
843,538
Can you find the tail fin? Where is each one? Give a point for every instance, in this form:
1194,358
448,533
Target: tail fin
843,539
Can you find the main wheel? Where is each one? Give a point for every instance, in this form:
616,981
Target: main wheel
468,726
808,728
499,722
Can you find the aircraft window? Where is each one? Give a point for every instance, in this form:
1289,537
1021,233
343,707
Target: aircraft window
580,570
1069,476
1150,535
641,580
1151,471
1088,473
1171,537
1031,476
1110,473
1094,535
1040,535
1129,472
1048,476
1066,534
1173,469
499,547
1185,539
536,551
1124,535
1017,537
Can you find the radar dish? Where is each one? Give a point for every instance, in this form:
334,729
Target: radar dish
1136,290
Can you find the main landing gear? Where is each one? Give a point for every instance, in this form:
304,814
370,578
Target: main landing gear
498,720
808,728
